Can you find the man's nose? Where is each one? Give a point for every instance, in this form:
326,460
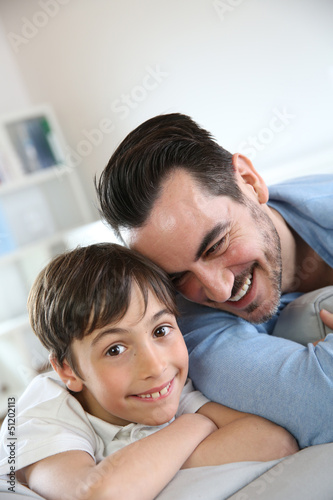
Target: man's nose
215,283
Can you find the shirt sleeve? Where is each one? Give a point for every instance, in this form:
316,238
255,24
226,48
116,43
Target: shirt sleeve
234,364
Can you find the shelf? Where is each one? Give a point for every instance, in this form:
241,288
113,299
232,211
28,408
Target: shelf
47,242
34,178
39,208
43,211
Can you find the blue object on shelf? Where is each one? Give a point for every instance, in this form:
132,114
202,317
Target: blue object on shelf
7,242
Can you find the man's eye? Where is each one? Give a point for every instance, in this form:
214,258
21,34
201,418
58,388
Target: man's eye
219,245
115,350
177,281
162,331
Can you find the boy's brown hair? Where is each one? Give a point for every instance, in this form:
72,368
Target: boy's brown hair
88,288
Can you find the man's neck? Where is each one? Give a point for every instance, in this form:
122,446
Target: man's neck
311,271
303,270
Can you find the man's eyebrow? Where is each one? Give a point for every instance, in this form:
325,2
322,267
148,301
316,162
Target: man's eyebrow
220,228
210,237
114,330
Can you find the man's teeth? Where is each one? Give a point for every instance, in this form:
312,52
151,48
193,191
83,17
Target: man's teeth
242,291
155,395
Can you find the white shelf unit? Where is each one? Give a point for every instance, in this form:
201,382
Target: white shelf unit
38,210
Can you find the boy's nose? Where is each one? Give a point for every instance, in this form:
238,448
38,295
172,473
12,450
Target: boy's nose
151,362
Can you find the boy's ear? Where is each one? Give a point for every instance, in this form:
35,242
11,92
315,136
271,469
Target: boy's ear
246,171
67,375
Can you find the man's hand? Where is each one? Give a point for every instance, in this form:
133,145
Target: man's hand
327,318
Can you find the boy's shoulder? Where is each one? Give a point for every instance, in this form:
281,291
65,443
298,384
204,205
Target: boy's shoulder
47,399
43,387
46,393
49,420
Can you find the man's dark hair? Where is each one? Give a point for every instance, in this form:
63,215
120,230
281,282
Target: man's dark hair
88,288
131,182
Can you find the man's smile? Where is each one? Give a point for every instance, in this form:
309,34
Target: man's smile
243,290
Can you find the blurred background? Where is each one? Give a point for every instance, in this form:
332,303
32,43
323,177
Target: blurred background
78,75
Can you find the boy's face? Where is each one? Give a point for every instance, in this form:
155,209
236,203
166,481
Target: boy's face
134,370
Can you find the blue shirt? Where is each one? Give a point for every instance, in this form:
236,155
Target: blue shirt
241,365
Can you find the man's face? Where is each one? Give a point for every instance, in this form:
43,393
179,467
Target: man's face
218,252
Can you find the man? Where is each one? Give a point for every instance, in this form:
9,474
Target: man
207,217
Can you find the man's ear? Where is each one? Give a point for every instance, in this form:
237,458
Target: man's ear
67,375
247,174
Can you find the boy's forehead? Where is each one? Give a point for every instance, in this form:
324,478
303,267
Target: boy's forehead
143,306
138,312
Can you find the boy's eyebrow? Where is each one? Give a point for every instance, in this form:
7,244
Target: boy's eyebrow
160,313
116,330
106,331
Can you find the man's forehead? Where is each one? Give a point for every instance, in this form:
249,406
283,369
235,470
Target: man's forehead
180,193
175,193
181,183
158,226
182,207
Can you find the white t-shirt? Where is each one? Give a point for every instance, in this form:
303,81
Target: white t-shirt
49,420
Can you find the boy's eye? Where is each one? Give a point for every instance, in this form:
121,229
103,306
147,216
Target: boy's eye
162,331
115,350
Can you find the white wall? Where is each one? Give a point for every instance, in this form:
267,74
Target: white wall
257,73
13,92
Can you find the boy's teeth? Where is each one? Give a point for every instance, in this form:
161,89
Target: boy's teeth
242,291
156,395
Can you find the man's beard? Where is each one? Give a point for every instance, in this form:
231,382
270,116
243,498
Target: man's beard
273,258
266,315
255,312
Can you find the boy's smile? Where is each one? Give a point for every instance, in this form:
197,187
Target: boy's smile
135,369
157,392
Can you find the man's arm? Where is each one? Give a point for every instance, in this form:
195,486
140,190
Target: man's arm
234,364
138,471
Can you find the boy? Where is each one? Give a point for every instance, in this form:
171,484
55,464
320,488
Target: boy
108,318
